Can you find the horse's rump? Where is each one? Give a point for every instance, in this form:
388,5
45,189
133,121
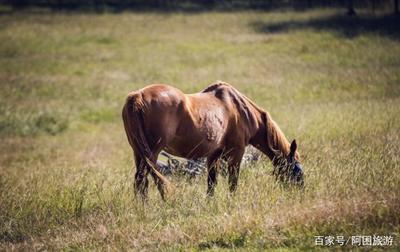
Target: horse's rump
133,118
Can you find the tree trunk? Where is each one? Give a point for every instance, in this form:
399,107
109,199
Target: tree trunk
373,7
350,8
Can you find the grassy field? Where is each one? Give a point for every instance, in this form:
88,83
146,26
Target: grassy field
66,175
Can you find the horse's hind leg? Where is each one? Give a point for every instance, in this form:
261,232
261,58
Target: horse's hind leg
141,181
141,184
212,166
159,183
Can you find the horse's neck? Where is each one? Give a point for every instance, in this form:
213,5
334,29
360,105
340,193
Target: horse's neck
270,139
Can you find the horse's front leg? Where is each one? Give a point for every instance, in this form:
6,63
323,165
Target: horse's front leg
234,159
213,167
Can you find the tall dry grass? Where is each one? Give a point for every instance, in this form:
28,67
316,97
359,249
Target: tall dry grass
66,168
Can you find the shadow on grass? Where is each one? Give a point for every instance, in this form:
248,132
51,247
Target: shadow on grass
345,26
236,242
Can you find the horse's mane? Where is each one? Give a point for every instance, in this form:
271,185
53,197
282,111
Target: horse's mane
276,140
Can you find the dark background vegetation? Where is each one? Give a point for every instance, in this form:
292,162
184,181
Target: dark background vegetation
196,5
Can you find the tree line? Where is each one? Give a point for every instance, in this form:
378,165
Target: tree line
351,5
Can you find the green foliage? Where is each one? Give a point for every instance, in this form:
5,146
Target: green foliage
102,115
25,124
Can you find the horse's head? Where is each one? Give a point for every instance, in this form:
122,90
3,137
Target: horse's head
295,169
289,169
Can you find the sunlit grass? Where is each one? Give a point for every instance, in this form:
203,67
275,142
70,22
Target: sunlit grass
66,172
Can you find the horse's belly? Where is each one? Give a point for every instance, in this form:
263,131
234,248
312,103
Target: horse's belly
191,147
199,142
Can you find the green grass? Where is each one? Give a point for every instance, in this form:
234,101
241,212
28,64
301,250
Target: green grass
66,176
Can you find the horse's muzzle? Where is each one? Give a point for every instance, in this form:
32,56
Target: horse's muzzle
298,175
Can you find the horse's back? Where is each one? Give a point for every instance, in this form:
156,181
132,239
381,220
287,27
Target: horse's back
161,94
166,95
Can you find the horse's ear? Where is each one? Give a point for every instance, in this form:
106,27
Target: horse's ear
293,147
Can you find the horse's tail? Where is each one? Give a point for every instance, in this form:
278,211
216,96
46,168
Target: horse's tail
132,115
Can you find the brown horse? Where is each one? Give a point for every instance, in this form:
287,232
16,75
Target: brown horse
218,122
